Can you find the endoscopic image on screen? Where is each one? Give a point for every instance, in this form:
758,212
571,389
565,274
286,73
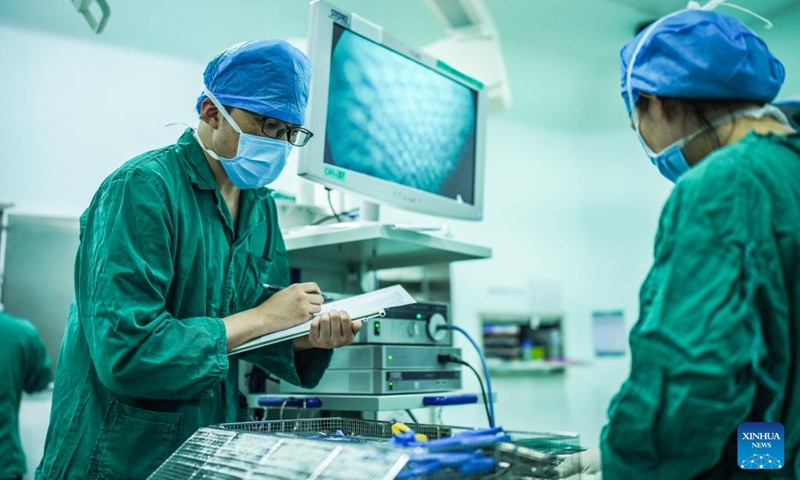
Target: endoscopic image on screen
395,119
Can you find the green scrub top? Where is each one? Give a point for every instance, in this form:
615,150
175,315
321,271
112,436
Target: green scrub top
143,363
24,366
718,334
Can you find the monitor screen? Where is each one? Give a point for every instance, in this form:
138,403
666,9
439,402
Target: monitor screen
395,119
391,123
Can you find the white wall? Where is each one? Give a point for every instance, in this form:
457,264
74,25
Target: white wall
573,207
77,110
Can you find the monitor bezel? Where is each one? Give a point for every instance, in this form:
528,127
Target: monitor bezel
312,166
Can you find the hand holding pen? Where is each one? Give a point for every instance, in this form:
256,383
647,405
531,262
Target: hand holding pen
277,288
292,305
330,330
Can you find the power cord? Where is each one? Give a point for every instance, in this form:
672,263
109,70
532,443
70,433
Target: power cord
483,363
258,380
348,213
411,416
454,359
330,203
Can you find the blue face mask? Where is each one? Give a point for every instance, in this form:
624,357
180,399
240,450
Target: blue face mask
670,161
258,161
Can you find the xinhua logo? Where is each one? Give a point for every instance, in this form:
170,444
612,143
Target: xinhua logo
760,446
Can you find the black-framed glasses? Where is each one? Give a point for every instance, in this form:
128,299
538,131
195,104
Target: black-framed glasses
274,128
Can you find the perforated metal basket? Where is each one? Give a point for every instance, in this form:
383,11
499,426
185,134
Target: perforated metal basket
377,430
532,455
218,454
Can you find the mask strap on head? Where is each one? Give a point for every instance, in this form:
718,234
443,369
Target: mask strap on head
222,111
203,146
629,76
196,137
754,112
764,111
177,124
711,5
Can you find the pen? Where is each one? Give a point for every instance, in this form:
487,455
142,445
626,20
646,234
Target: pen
277,288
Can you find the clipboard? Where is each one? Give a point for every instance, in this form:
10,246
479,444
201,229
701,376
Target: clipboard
360,307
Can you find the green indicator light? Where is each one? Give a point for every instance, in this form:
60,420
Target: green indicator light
419,315
390,357
378,324
391,383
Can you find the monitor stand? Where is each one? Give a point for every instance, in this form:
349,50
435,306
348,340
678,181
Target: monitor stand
370,211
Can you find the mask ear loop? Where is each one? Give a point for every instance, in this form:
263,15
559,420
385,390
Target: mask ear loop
716,3
767,24
222,110
178,124
629,76
711,5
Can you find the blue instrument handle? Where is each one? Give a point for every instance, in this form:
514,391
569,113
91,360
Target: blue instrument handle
464,399
292,402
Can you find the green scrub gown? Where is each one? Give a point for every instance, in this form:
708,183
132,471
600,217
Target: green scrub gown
24,366
718,337
143,364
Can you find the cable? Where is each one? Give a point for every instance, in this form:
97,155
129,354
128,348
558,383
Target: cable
413,418
348,213
454,359
258,380
330,203
301,410
767,24
485,368
283,407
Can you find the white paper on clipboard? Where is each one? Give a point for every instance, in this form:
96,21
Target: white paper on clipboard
360,307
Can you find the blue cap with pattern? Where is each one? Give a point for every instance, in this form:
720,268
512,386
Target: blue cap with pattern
700,54
266,77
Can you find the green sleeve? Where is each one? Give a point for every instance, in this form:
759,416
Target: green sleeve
698,342
304,367
123,272
37,364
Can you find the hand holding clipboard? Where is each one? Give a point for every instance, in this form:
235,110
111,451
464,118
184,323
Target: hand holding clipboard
360,307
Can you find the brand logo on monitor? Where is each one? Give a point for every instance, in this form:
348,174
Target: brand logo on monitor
406,197
334,173
339,17
760,446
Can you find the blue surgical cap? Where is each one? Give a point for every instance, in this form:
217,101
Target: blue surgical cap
699,54
266,77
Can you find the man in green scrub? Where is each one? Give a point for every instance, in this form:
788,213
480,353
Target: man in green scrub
716,343
24,366
175,248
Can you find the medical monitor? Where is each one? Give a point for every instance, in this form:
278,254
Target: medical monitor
391,123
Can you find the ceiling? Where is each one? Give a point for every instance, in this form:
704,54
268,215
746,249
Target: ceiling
193,28
561,55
